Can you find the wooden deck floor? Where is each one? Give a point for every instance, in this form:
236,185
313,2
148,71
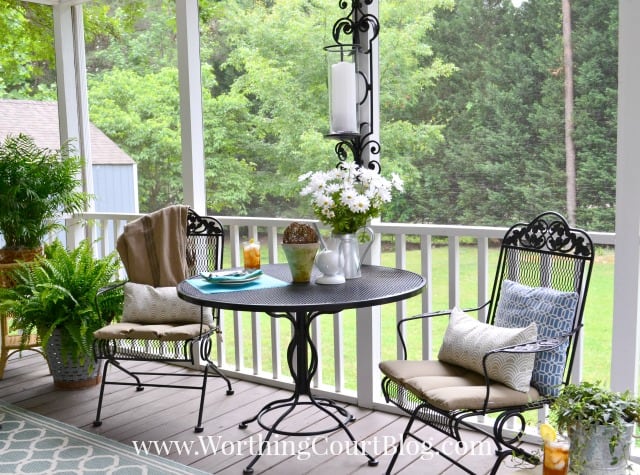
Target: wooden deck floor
158,414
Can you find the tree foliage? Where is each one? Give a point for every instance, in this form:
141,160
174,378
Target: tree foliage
503,154
470,92
25,50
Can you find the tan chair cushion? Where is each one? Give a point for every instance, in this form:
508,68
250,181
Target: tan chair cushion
450,387
136,331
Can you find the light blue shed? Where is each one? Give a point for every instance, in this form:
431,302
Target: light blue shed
115,177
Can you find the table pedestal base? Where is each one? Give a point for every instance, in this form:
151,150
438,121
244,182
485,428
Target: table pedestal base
302,358
340,415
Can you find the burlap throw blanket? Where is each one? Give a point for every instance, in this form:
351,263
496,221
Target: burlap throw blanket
153,248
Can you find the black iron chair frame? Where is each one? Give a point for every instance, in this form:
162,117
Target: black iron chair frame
204,256
552,245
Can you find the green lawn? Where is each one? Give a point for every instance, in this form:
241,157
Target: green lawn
596,334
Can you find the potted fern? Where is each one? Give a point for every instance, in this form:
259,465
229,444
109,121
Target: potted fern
55,297
37,185
599,424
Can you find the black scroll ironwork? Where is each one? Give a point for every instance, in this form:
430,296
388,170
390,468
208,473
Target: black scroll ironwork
360,29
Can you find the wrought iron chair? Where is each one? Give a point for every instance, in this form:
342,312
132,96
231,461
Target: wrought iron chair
518,361
156,324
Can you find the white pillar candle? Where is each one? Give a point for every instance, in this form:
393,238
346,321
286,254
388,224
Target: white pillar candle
343,98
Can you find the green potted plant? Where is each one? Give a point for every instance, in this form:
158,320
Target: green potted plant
300,245
55,296
599,424
37,185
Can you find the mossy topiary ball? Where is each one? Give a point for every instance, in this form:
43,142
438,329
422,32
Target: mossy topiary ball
299,233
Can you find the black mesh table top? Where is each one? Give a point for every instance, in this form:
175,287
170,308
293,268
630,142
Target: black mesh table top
377,286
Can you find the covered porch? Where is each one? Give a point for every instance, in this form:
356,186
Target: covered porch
242,354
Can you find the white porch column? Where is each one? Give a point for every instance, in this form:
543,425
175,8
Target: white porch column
71,72
626,305
73,105
191,121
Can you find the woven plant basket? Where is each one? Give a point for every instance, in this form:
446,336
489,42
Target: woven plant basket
10,256
5,270
70,375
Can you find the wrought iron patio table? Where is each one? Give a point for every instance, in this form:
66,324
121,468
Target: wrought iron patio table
301,304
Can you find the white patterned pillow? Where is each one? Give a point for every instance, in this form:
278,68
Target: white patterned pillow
155,305
554,312
467,340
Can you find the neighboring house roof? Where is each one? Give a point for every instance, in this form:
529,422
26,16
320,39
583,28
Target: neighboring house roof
39,119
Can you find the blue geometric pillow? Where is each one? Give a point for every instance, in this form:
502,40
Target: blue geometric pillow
553,312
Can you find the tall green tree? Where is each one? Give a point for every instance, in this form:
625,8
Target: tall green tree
569,119
27,54
503,157
26,50
595,35
477,171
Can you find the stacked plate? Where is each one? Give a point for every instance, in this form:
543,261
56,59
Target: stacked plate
232,276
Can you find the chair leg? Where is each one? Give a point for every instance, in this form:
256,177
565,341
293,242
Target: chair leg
205,352
407,433
220,374
517,453
500,457
6,353
139,386
205,347
117,364
97,422
199,427
506,444
398,448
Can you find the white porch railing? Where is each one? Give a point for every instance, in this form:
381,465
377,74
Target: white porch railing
254,345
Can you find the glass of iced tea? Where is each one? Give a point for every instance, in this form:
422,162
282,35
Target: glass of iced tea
556,458
251,255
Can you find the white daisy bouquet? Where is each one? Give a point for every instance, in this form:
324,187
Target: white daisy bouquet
347,196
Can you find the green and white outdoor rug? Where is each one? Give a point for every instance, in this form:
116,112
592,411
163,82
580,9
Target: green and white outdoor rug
31,443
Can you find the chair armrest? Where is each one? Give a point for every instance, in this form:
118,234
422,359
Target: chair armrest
537,346
112,286
422,316
543,344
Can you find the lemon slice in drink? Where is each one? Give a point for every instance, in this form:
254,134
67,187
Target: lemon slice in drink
547,432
